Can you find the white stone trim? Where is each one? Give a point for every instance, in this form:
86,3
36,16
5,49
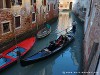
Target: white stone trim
35,17
20,22
9,27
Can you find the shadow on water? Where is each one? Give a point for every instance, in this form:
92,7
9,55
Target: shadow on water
67,60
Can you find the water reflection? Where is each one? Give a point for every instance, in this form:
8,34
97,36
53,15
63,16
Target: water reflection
64,22
44,67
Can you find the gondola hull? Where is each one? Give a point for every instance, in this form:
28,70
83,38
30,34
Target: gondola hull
29,62
43,54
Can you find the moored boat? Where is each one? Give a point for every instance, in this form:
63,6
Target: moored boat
44,32
5,61
53,48
10,55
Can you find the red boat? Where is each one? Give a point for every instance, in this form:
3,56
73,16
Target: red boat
5,61
9,56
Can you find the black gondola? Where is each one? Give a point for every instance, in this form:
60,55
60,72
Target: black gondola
54,47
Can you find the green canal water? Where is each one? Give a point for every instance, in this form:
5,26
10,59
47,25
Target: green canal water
67,60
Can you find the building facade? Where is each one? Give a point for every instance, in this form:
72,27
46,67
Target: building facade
65,4
15,18
46,10
20,16
80,8
92,37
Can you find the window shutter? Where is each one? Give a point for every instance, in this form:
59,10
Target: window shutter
8,4
13,2
34,7
1,3
44,2
31,2
48,7
20,2
34,1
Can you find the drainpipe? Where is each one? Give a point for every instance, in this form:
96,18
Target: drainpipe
36,19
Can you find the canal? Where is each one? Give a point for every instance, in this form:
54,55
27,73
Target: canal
67,60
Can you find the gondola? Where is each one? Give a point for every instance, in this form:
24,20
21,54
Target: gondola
10,56
53,48
44,32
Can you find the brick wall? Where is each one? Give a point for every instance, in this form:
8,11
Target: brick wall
5,15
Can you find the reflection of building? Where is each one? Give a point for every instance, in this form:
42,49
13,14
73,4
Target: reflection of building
73,55
47,70
45,67
92,36
64,21
18,17
65,4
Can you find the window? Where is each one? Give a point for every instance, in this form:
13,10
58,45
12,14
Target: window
17,21
84,9
44,2
1,3
33,1
6,27
48,7
90,8
70,7
16,2
5,4
54,6
33,17
58,5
